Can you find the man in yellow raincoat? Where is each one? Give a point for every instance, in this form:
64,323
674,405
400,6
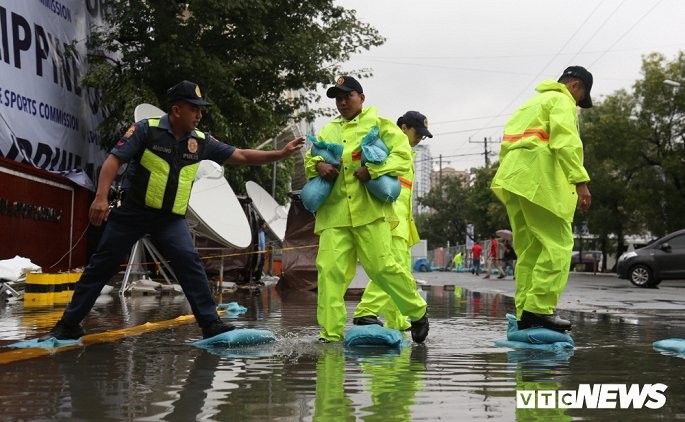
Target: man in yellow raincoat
375,301
353,224
541,181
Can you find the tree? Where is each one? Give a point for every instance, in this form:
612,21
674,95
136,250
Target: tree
609,137
447,221
246,57
458,204
484,210
660,128
634,154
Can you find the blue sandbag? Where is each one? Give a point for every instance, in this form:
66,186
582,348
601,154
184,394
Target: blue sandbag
374,149
373,336
552,347
51,343
233,309
534,338
671,345
237,338
330,152
316,190
385,188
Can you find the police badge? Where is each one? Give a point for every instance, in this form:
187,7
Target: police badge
192,145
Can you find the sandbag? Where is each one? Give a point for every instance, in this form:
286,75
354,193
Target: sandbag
373,336
236,338
51,343
315,192
671,345
385,188
317,189
534,338
232,309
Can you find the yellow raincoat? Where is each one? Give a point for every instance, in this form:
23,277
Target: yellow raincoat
541,161
541,158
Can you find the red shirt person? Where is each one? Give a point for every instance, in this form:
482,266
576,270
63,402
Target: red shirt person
476,251
493,258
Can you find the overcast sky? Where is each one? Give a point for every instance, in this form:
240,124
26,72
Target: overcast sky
468,64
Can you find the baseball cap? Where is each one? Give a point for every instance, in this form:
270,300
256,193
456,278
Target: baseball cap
416,120
186,91
586,77
344,84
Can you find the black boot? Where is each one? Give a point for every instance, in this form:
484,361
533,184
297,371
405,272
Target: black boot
552,322
216,327
419,329
63,331
366,320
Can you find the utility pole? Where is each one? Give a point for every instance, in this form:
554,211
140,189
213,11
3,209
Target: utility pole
486,152
440,174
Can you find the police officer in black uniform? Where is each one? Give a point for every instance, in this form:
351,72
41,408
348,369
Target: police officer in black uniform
163,155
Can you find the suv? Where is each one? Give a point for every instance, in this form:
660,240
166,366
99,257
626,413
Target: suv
662,259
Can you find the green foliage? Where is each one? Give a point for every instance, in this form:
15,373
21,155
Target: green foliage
635,155
245,56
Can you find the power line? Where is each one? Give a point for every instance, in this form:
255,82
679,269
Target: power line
628,31
448,156
466,119
525,88
599,27
466,130
507,56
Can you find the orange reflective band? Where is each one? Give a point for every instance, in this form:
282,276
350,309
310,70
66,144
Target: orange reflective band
406,183
538,133
356,156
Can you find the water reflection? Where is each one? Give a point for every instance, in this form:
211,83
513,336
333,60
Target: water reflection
457,375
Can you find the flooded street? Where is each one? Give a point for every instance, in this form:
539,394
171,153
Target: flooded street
458,374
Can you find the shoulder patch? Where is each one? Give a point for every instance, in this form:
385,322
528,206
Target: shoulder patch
130,131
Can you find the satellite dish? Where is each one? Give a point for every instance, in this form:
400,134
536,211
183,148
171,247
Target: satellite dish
275,216
214,211
146,111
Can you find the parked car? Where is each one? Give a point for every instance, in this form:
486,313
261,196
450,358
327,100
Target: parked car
591,260
662,259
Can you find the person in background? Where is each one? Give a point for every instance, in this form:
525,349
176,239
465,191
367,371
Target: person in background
508,257
261,248
457,261
163,155
352,224
493,258
541,138
476,252
374,300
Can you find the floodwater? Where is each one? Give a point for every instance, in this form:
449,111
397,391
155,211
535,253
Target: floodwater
458,374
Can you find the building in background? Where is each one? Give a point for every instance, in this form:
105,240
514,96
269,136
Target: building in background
437,176
423,168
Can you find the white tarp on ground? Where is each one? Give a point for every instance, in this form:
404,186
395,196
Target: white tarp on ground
47,118
16,268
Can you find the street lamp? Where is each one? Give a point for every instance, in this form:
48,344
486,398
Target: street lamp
671,83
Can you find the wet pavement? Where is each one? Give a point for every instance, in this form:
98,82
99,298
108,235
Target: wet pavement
458,374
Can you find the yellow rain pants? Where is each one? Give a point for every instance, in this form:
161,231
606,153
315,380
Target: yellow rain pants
336,262
543,243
